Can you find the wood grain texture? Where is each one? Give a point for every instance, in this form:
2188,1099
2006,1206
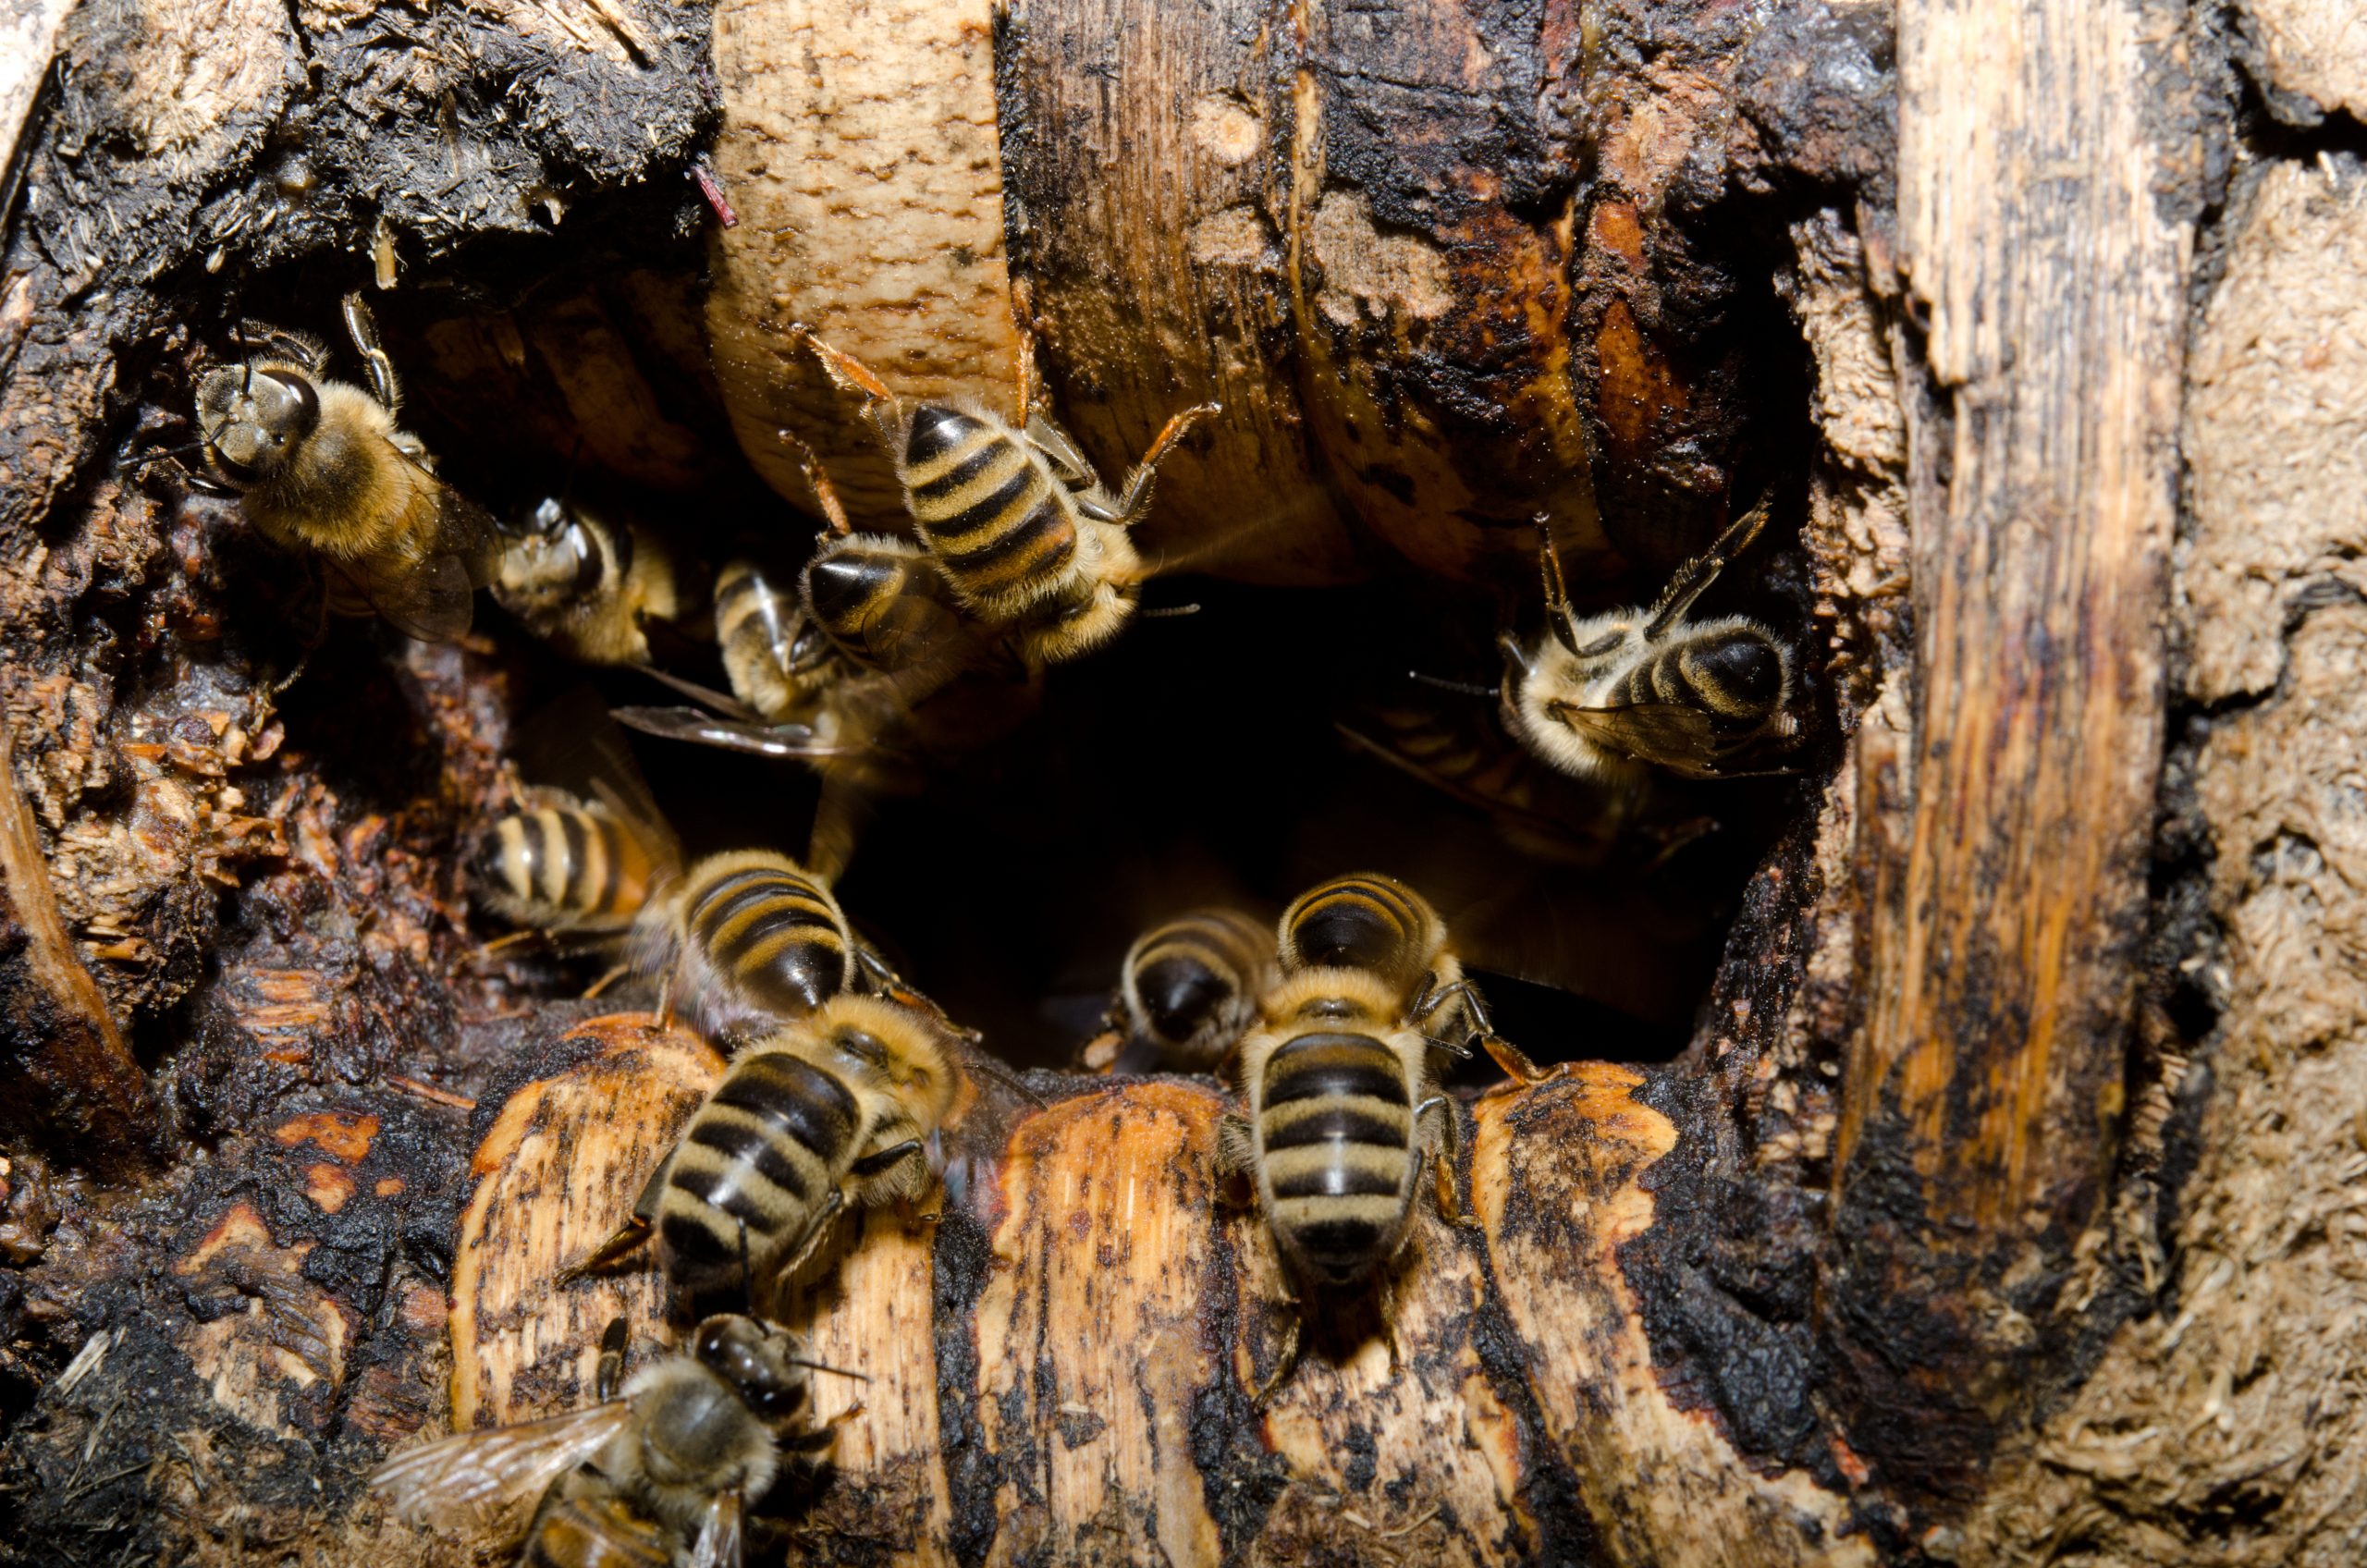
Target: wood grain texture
1061,1372
2008,898
860,149
558,1172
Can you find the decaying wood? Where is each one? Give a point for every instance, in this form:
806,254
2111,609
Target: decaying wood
2005,851
2206,1433
1969,1135
68,1071
1063,1369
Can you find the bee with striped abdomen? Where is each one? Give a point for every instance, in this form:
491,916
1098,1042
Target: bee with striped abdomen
320,465
659,1474
1341,1078
747,940
1033,544
577,859
586,584
1613,696
832,1108
1188,990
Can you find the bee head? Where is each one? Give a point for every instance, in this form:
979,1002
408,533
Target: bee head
551,552
252,419
1738,671
760,1362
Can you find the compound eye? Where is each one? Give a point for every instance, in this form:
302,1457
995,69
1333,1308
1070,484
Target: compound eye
286,408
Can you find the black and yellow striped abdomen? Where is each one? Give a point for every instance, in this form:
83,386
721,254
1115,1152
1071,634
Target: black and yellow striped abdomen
1365,921
764,1153
773,934
561,866
1733,671
1190,984
988,506
1334,1130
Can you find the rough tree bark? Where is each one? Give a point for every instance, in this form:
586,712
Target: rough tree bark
2003,1208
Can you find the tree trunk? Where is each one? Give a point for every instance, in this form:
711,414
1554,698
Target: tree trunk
2002,1207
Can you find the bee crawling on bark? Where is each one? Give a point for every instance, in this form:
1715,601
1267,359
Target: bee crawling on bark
1344,1108
1610,697
320,465
1034,547
834,1108
659,1474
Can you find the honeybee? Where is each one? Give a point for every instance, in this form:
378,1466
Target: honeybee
577,858
1342,1082
321,465
1032,542
658,1473
1613,696
835,1106
1189,988
585,585
748,940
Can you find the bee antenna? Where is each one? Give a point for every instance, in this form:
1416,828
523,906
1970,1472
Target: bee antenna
161,454
747,1274
1467,688
826,1367
1167,612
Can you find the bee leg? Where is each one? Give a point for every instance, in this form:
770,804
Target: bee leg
1452,1208
1135,498
665,1002
899,1171
629,1239
817,479
1285,1363
612,1361
1100,1053
630,1235
614,973
1515,1061
1236,1153
363,329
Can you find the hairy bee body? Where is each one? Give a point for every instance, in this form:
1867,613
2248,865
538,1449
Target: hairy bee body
655,1475
884,604
1340,1075
1610,697
586,585
321,466
1190,986
838,1104
776,659
746,940
1031,543
570,867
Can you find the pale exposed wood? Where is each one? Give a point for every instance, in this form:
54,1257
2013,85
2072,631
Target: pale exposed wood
1064,1378
2043,473
860,150
558,1172
1153,228
2205,1436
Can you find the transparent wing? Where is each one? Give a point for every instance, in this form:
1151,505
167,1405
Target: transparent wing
723,703
497,1474
1681,738
432,600
970,1146
792,740
720,1544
